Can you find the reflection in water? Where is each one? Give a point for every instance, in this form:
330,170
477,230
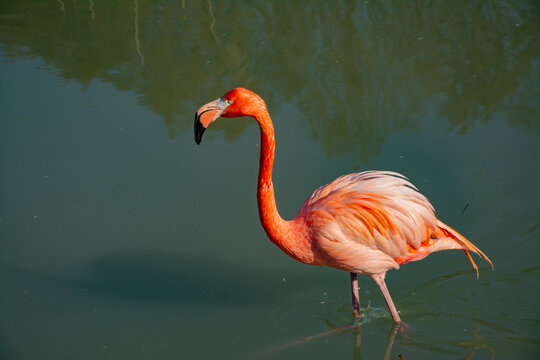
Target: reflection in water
356,71
383,66
471,346
213,21
137,42
475,343
353,330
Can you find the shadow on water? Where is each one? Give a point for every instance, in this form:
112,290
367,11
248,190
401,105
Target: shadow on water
165,277
161,276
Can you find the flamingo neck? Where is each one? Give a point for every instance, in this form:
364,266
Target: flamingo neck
271,221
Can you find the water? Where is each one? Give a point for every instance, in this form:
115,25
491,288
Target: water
120,238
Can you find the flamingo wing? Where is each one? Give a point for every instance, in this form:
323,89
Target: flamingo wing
364,221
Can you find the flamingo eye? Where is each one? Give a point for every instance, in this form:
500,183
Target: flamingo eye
223,103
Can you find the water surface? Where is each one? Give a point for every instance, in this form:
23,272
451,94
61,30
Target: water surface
121,238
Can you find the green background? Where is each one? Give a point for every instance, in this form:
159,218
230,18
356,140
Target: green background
120,238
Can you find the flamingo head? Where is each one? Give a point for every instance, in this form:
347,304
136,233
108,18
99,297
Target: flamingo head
237,102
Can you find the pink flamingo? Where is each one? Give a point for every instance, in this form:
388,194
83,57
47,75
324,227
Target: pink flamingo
362,223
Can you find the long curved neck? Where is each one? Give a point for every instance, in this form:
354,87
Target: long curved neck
272,223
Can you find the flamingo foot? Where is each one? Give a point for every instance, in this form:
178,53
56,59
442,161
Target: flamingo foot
402,328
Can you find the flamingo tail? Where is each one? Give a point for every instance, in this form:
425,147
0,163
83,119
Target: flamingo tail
467,246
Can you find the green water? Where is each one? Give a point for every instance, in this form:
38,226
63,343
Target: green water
120,238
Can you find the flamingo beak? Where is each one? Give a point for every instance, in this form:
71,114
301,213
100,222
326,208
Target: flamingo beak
199,128
205,115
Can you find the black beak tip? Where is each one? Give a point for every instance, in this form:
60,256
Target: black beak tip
198,129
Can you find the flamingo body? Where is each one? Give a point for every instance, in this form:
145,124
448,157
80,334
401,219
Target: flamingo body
362,223
372,222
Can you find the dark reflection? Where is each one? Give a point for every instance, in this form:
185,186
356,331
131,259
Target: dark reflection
160,276
471,346
350,330
476,343
358,70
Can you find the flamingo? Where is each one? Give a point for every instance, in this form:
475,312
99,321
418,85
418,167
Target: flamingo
363,223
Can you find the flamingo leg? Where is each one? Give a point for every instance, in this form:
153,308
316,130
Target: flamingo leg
355,299
389,301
